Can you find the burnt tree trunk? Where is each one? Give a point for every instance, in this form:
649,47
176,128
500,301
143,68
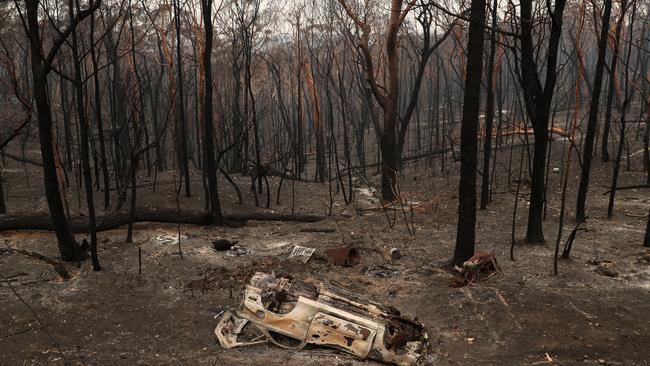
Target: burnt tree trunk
489,114
209,164
98,116
592,123
41,65
538,100
604,148
85,156
181,123
465,235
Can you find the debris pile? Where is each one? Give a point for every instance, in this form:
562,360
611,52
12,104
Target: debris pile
604,267
478,268
291,313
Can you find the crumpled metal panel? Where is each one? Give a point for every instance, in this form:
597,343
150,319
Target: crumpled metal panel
292,313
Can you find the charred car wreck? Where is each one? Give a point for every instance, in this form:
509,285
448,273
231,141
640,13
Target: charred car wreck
291,314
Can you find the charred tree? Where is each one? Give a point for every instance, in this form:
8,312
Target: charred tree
41,65
209,162
466,233
181,123
387,95
604,145
592,123
98,115
489,113
84,140
538,100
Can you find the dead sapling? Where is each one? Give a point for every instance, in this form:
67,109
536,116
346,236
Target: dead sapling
569,243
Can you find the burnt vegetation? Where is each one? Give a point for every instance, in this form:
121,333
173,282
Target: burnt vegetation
449,130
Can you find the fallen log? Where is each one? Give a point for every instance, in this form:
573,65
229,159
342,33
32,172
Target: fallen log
622,188
114,220
318,230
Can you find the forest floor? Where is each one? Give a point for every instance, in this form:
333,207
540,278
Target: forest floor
166,316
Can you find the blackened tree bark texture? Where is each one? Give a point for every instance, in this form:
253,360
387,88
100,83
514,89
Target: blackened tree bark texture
538,98
85,154
604,147
41,65
209,163
593,114
98,115
489,113
181,132
466,232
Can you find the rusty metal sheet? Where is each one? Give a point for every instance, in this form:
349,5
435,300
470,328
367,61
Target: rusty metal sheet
327,330
345,257
228,330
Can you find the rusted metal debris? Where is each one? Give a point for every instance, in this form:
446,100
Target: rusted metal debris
391,254
301,254
478,268
291,314
346,257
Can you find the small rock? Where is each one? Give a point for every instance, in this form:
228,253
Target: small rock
608,271
601,361
347,212
124,356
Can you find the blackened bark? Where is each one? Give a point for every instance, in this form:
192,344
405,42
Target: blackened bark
209,164
489,113
465,235
592,123
624,110
538,100
98,116
181,132
85,156
41,66
604,151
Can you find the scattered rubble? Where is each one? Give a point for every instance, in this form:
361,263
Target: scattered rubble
605,267
478,268
292,313
382,271
238,251
301,254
